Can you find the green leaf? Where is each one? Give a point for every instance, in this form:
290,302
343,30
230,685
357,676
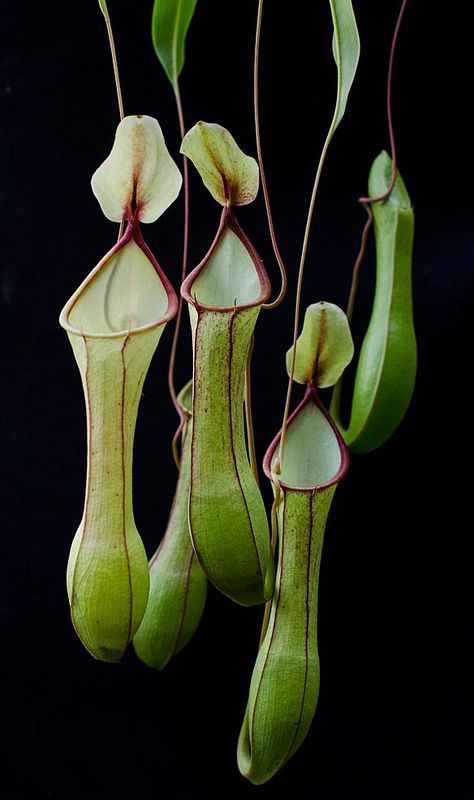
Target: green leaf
386,369
170,23
178,586
285,682
231,176
139,174
114,322
324,347
346,51
227,516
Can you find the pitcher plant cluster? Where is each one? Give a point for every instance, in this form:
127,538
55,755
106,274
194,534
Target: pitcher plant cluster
219,529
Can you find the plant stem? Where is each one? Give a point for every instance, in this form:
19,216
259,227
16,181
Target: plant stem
266,196
174,345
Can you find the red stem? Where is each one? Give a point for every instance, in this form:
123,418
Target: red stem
367,201
271,227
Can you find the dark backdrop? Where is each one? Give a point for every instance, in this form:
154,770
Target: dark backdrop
395,714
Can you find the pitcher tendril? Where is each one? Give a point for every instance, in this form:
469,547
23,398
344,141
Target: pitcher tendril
110,34
256,105
299,288
184,267
108,24
346,49
366,202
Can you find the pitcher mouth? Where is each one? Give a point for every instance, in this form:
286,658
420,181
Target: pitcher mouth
229,223
311,396
168,298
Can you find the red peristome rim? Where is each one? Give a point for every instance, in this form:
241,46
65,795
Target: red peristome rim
132,231
311,395
228,220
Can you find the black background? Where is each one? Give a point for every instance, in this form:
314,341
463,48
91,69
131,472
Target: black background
395,713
